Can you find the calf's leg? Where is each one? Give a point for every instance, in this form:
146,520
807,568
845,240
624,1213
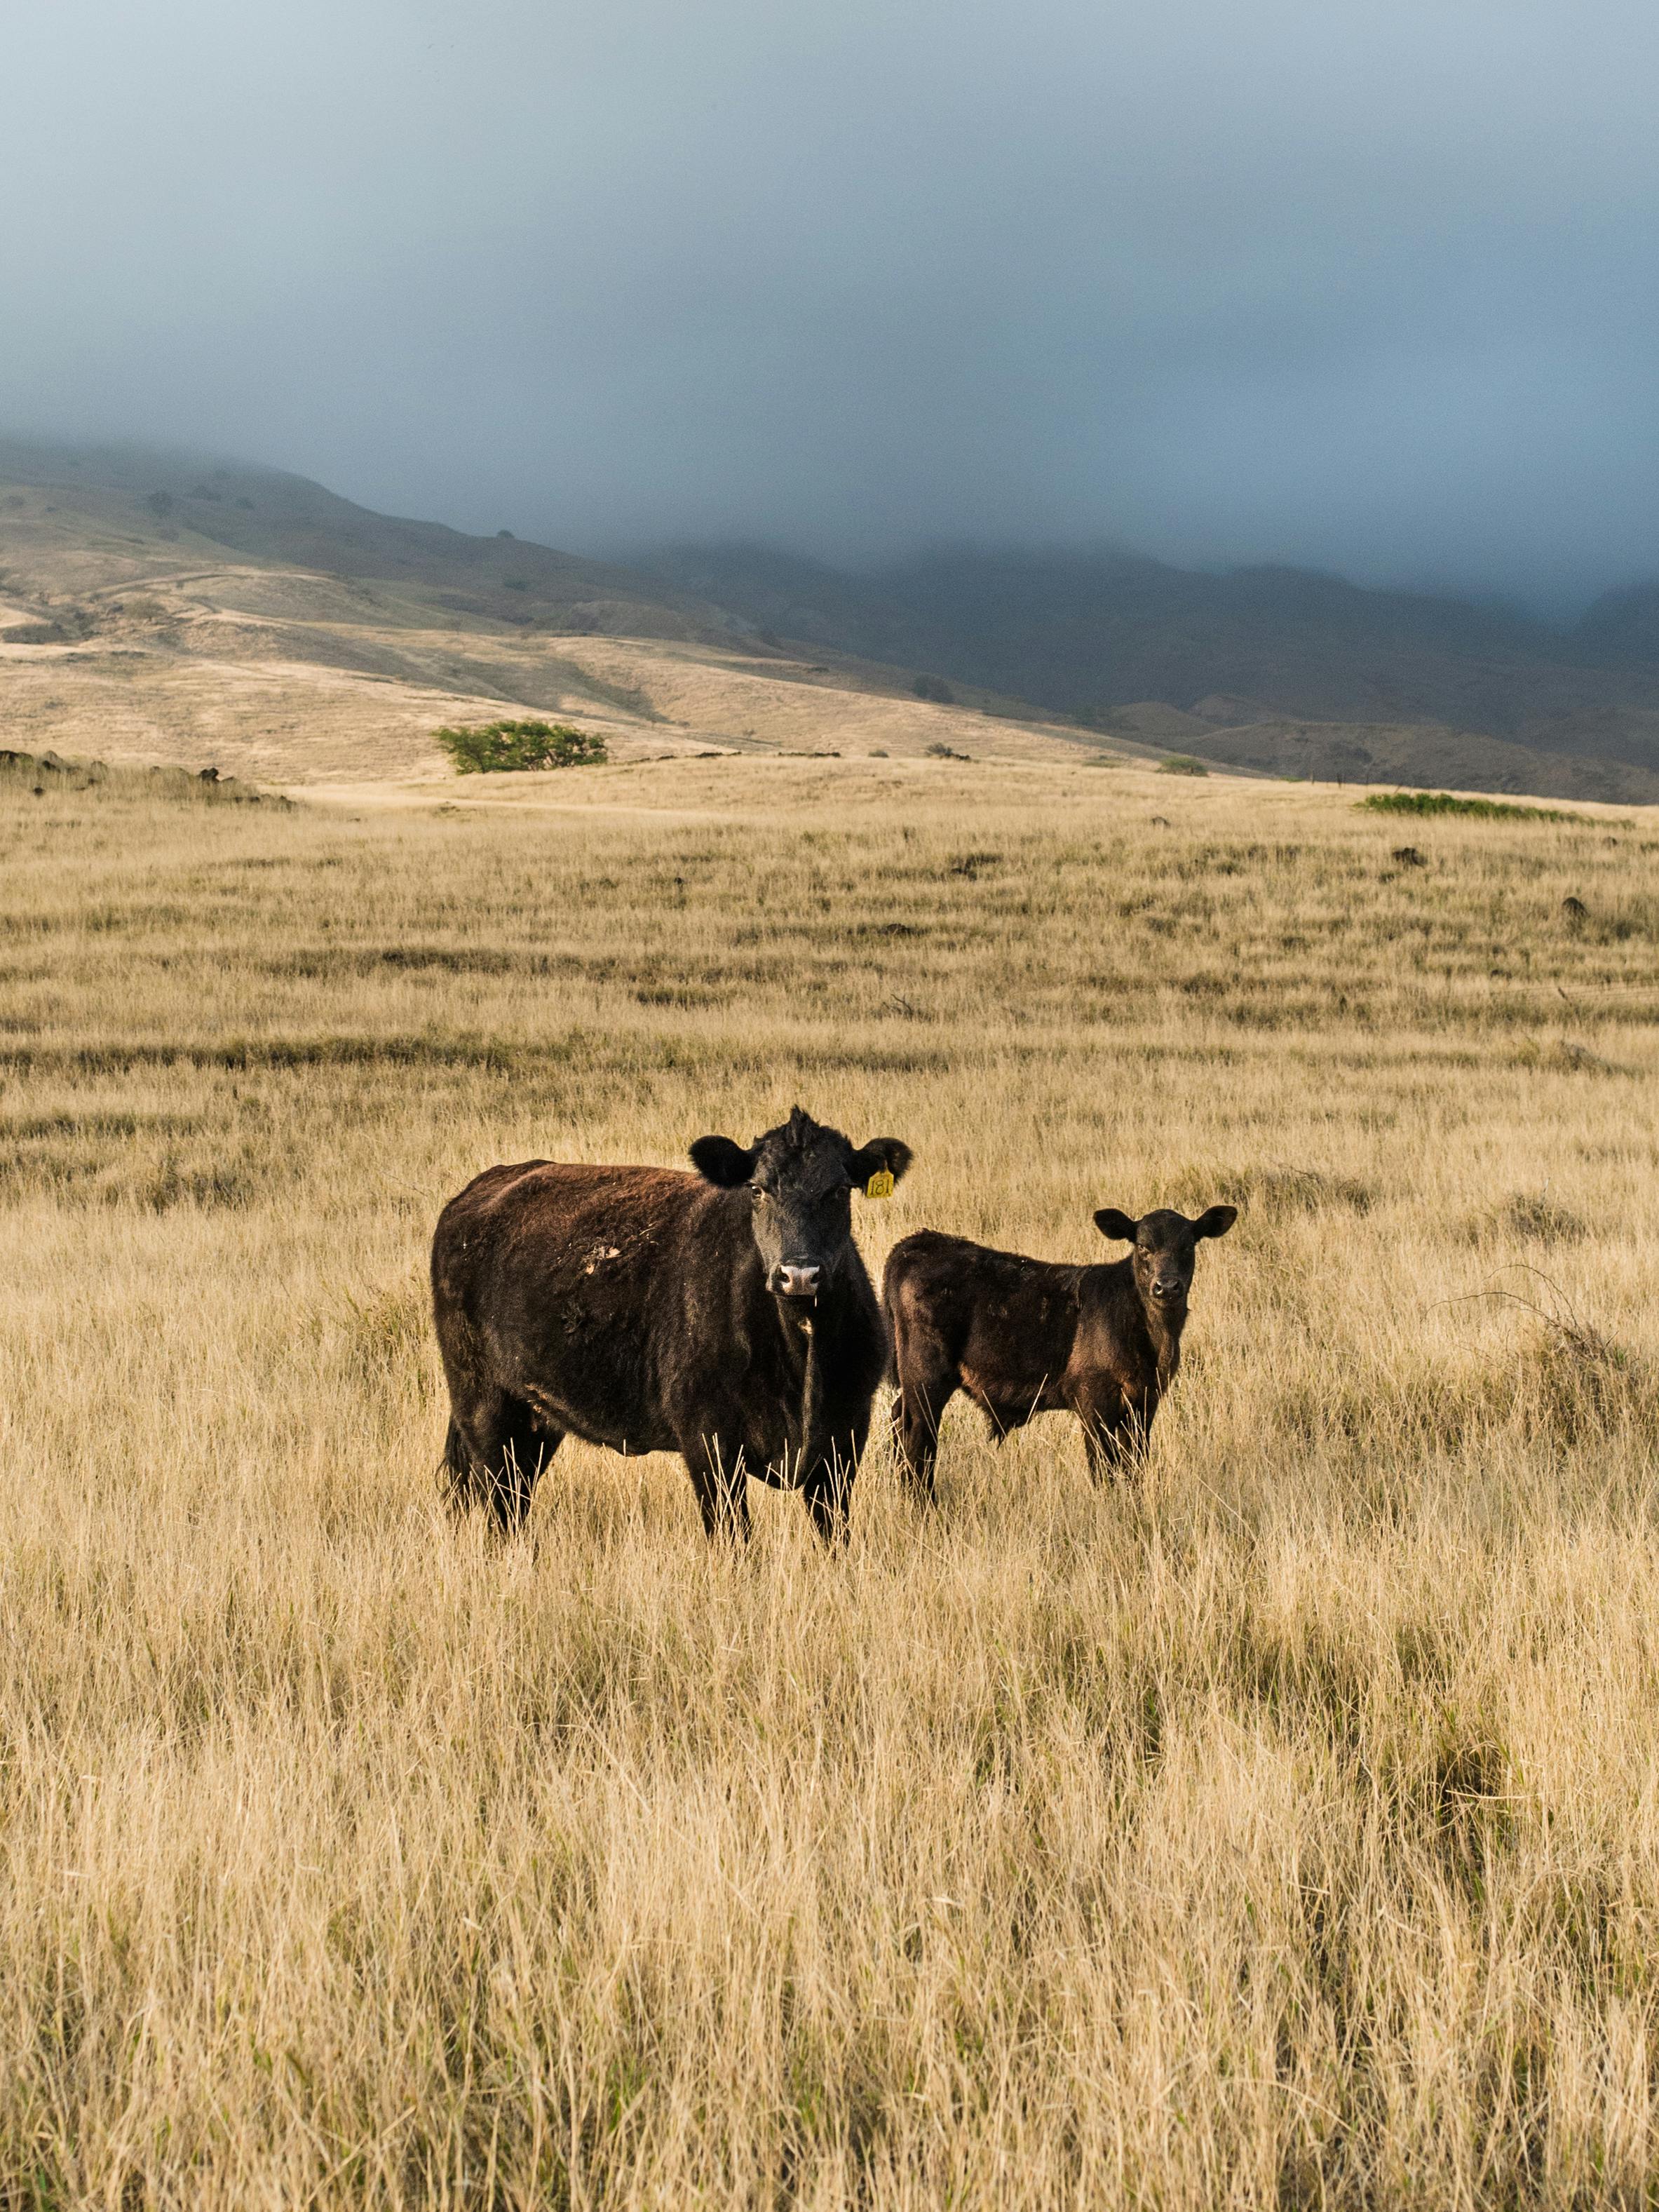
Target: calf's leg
923,1396
1113,1437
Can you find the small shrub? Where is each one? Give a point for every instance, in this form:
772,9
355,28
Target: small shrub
934,688
1481,810
1528,1215
386,1339
35,771
1272,1190
1182,764
1573,1383
222,1184
517,583
946,752
500,746
1578,1060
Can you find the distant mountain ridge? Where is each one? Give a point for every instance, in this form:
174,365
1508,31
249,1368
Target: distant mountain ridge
270,515
1089,634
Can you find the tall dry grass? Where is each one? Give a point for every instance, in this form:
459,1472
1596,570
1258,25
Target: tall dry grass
1281,1831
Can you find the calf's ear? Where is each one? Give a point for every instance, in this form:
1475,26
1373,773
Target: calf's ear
719,1161
1111,1222
1217,1222
881,1155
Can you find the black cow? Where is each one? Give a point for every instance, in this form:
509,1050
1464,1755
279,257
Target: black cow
726,1315
1022,1336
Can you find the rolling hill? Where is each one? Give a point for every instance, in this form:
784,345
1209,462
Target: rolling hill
1273,669
164,607
170,607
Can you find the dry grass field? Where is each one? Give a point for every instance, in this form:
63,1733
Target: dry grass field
1282,1831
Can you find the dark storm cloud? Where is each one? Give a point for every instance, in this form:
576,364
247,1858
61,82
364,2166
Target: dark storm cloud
1371,286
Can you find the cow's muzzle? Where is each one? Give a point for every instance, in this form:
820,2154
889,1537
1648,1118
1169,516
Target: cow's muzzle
1168,1294
796,1282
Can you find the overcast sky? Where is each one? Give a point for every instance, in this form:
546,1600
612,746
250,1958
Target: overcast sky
1372,286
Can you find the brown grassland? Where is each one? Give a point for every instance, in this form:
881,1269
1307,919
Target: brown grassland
1282,1830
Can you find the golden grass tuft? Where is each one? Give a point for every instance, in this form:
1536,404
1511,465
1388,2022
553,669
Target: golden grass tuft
1279,1830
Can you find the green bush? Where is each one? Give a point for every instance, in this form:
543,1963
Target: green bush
1442,802
1182,764
521,744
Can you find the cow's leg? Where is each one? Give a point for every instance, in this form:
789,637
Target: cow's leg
455,1471
828,1486
474,1426
722,1487
528,1449
495,1450
924,1393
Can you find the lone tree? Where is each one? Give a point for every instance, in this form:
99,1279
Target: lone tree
498,745
934,688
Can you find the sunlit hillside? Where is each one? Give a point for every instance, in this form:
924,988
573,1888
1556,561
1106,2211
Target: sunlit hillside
159,610
1281,1829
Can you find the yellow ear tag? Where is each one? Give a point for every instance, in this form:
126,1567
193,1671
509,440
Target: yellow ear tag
880,1184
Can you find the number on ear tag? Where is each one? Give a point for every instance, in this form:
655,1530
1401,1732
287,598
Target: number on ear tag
880,1185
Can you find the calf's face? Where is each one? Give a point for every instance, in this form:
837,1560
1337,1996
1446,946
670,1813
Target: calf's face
1165,1248
800,1177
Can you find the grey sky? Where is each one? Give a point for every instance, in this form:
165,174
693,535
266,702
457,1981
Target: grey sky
1372,286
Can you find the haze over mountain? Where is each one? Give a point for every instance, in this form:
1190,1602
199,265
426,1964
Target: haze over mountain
1250,652
1369,289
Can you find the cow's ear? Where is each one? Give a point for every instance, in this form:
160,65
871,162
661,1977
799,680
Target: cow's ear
719,1161
1217,1222
1111,1222
881,1155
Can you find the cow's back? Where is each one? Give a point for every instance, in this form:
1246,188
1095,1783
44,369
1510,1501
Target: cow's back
584,1291
1005,1322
